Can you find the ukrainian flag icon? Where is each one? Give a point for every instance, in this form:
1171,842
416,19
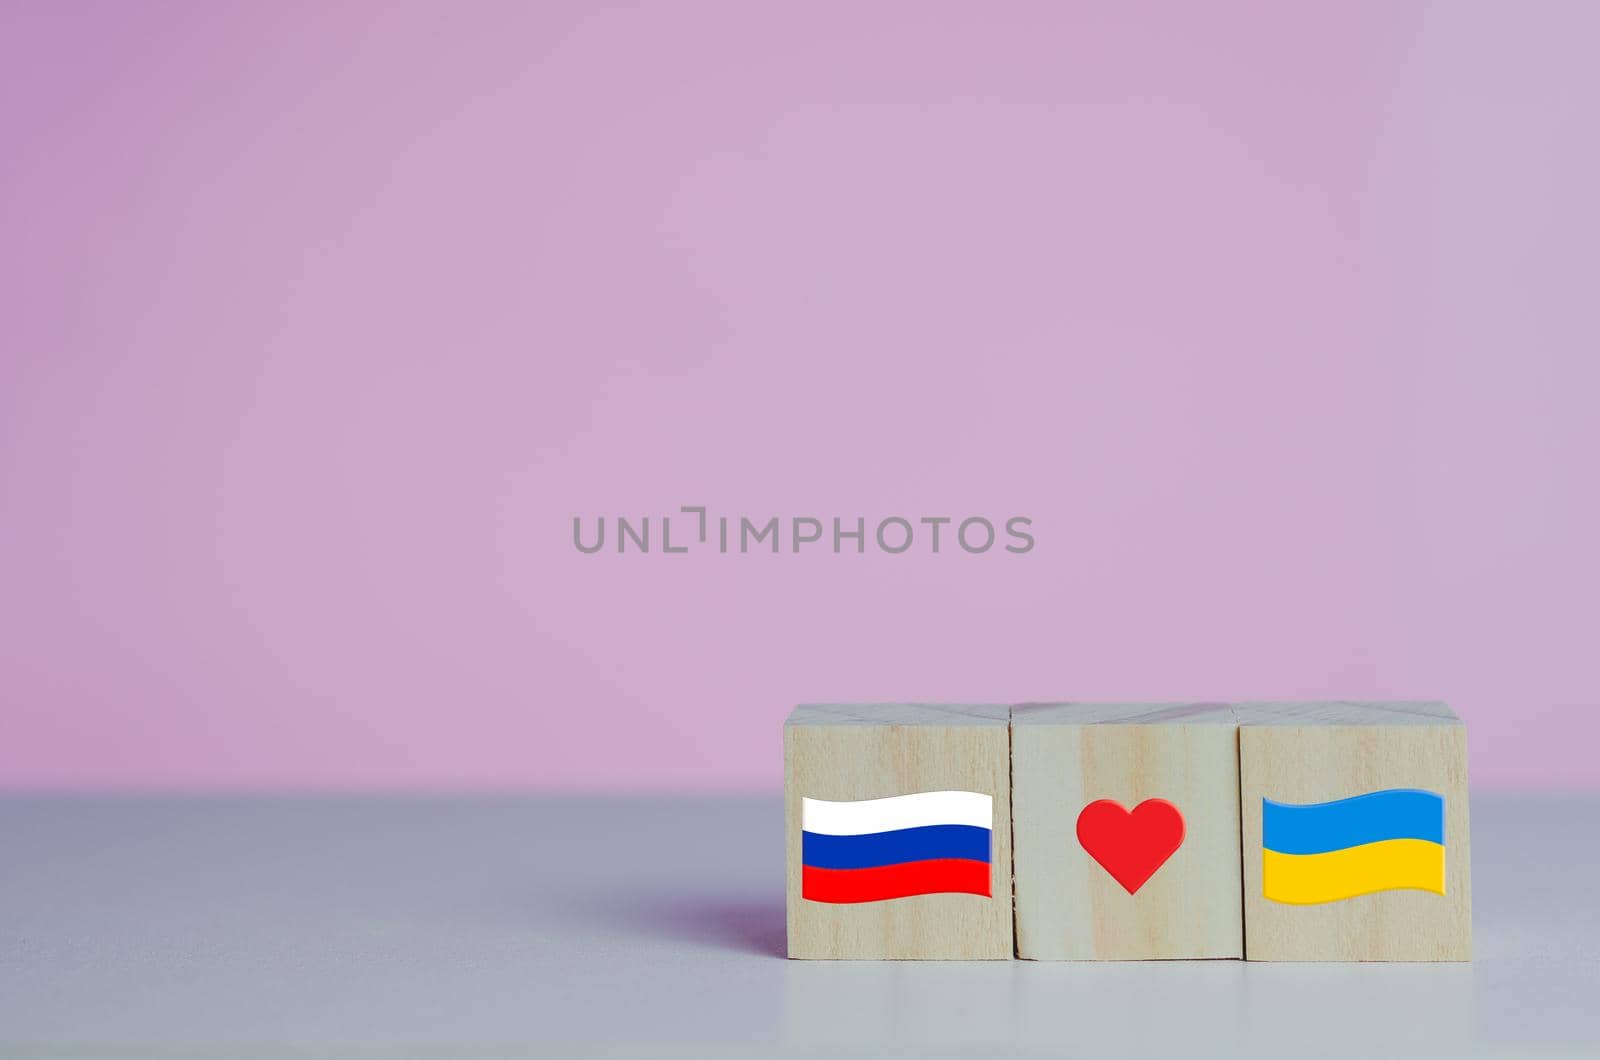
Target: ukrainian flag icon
1329,851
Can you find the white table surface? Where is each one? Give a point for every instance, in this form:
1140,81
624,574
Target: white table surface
441,927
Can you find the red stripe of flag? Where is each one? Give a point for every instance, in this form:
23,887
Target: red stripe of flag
936,876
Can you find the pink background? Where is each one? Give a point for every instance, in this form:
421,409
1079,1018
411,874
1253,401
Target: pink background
318,324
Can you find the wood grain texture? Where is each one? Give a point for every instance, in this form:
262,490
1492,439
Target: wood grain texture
1309,753
849,753
1065,756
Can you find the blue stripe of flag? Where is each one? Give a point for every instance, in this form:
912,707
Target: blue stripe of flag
893,848
1319,827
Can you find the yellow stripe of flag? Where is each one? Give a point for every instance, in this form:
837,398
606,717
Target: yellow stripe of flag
1309,879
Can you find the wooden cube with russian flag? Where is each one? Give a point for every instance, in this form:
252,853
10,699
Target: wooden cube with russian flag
899,832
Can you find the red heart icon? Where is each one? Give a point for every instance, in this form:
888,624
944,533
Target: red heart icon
1130,846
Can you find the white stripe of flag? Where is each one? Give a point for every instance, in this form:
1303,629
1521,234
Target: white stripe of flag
897,811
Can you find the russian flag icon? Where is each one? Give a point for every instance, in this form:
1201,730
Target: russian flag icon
931,842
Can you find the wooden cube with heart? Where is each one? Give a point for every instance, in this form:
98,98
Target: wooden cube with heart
1125,825
899,832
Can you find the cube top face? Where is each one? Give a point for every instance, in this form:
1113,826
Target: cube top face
1355,833
898,827
1126,828
1346,713
1123,714
899,714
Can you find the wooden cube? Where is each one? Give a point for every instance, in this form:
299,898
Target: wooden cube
1125,820
1355,832
899,832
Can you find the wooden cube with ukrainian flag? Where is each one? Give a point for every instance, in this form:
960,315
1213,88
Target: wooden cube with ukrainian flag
898,831
1355,832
